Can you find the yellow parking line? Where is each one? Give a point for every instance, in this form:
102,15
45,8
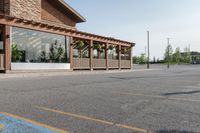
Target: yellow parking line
34,122
93,119
1,127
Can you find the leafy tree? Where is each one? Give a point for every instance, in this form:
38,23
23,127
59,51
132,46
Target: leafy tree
142,59
177,55
168,56
187,55
154,59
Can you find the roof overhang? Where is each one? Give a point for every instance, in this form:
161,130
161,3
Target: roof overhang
58,29
78,17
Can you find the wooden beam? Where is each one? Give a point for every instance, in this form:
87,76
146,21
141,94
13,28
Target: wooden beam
7,49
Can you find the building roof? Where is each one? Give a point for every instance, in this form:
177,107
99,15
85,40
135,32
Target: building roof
75,14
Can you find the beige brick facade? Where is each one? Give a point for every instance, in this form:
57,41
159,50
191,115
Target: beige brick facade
27,9
37,10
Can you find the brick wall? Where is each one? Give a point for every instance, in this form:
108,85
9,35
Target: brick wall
5,6
27,9
1,5
52,13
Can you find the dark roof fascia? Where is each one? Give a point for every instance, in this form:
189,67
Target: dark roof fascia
78,16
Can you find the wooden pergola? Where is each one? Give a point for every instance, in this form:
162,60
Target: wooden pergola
89,40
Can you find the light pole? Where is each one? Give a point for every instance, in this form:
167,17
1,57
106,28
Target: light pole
168,53
148,64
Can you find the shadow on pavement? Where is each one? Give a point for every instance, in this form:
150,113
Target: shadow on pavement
180,93
174,131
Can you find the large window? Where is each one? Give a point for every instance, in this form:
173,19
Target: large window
1,40
39,47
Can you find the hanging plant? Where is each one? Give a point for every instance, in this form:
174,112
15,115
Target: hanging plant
80,44
97,46
111,47
125,50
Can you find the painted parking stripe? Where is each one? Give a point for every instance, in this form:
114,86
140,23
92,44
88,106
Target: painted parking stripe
10,123
132,128
1,127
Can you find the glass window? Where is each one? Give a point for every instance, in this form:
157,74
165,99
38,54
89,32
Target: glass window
1,40
112,53
39,47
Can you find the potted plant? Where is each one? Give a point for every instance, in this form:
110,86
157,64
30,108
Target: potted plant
16,53
80,44
59,53
125,50
111,47
43,56
97,46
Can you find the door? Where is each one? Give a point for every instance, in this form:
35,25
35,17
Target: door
2,52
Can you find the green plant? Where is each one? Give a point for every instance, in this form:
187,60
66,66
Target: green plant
80,44
16,53
97,46
56,52
125,50
59,53
52,52
111,47
43,56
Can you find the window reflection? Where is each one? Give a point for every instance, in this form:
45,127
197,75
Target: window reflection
39,47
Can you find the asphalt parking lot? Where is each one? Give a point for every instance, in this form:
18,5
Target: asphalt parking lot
160,101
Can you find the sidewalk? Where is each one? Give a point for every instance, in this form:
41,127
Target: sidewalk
24,74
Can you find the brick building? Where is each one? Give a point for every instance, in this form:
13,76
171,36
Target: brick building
42,34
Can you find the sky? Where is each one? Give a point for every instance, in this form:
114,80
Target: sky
129,20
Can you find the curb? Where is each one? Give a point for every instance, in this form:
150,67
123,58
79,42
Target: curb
66,73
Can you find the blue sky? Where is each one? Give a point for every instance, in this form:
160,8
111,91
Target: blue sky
130,19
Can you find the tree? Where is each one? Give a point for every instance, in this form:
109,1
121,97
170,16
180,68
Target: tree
139,59
154,59
187,55
177,55
168,56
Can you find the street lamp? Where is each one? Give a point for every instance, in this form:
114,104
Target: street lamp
168,53
148,64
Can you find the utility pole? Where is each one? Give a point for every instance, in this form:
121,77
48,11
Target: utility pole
148,58
168,47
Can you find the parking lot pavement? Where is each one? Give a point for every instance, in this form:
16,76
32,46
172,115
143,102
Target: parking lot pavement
162,101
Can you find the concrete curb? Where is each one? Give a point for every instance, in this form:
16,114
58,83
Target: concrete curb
28,74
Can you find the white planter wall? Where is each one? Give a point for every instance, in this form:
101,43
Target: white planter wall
40,66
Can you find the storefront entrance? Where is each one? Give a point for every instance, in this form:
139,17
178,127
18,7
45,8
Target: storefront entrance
2,51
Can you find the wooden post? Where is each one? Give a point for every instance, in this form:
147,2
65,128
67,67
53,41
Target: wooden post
91,55
106,52
71,53
130,54
7,49
119,56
